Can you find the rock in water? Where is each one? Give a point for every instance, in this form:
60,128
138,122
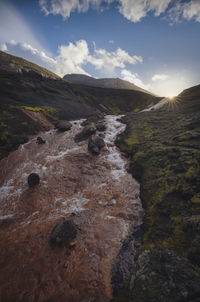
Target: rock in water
95,144
85,133
64,232
40,140
101,126
63,126
33,179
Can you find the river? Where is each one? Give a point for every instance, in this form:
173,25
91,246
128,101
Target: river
96,191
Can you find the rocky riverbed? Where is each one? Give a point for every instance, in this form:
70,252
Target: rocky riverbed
93,191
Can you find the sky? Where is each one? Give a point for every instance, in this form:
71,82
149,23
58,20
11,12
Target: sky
154,44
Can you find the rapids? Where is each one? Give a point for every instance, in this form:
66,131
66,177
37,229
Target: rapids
96,191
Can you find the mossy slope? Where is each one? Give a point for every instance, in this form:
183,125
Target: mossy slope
164,151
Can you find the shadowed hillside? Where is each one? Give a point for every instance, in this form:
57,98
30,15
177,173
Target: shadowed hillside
103,83
25,85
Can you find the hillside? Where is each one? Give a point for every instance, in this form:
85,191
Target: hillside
25,85
164,152
103,83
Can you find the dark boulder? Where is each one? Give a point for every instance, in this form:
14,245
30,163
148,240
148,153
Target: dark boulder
85,133
33,179
63,233
101,126
95,144
163,276
40,140
63,126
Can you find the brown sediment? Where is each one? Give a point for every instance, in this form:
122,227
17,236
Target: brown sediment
95,191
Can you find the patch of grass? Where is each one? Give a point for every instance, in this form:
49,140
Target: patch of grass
49,112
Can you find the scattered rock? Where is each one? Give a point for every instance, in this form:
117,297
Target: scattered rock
33,179
95,144
63,126
112,202
85,133
40,140
64,233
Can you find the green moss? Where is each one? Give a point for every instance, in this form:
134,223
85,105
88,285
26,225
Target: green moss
115,110
4,136
49,112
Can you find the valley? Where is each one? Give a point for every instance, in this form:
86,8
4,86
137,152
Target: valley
128,212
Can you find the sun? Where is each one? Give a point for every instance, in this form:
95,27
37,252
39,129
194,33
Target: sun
171,96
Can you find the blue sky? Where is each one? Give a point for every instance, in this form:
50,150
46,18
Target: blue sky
153,43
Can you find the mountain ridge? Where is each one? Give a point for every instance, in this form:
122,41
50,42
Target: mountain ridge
115,83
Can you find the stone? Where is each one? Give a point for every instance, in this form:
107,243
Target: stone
63,126
40,140
64,233
95,144
101,126
163,276
85,133
33,179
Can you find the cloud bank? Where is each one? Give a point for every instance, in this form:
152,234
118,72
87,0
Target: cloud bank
133,10
72,57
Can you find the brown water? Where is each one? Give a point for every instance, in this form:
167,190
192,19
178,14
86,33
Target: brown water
97,189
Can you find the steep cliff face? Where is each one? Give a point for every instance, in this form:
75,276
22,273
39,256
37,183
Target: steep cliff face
163,147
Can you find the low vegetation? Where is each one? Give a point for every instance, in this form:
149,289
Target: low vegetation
164,151
49,112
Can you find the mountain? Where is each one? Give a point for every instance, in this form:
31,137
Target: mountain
26,87
103,83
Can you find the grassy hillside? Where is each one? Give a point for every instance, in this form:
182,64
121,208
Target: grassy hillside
164,151
13,62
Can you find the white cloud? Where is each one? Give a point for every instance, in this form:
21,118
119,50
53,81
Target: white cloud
72,58
192,10
133,10
111,60
127,75
188,11
159,77
30,53
66,7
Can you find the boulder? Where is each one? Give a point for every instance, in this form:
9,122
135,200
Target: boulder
101,126
64,233
163,276
33,179
63,126
95,144
85,133
40,140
